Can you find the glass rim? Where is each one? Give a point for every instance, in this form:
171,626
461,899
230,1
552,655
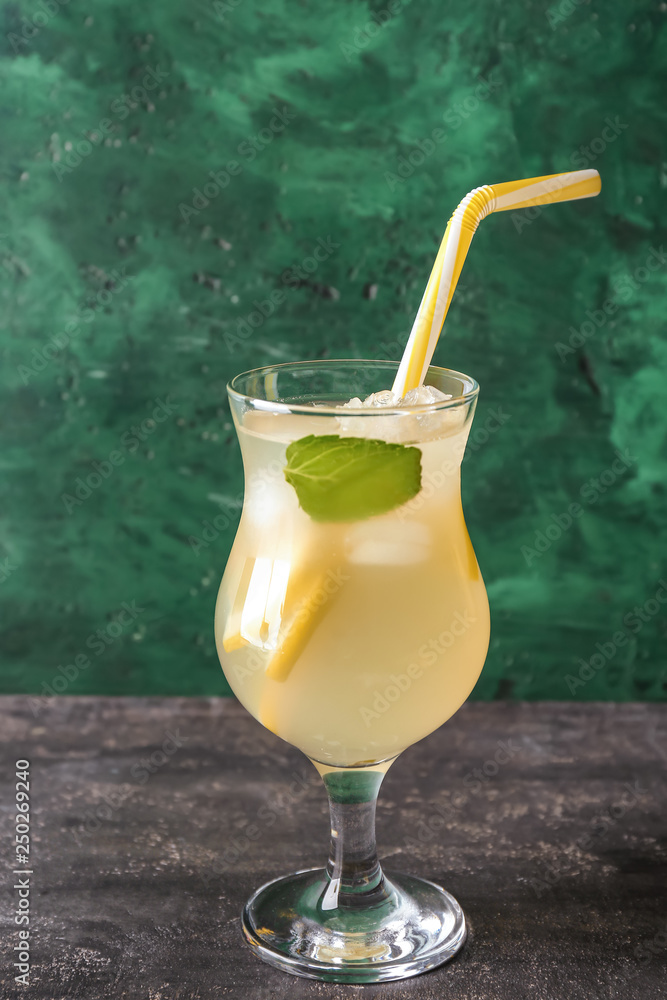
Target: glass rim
279,406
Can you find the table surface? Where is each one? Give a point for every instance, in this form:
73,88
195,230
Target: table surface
555,848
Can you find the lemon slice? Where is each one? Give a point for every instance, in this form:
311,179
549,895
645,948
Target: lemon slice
276,609
307,600
308,594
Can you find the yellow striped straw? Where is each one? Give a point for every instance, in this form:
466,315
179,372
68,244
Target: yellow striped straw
454,247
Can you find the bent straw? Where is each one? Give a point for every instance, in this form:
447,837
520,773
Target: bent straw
452,253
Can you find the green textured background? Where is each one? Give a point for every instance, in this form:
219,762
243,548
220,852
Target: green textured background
362,98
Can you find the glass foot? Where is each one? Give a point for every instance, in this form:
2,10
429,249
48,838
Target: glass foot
296,924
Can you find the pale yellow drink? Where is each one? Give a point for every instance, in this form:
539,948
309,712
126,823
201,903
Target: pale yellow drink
351,640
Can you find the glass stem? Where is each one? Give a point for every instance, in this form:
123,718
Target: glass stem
353,869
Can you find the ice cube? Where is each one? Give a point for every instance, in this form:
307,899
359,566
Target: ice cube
382,542
383,398
424,395
404,427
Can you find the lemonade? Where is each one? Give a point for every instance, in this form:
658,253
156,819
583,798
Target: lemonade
352,618
352,639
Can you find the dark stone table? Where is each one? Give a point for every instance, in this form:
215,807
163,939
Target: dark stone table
140,864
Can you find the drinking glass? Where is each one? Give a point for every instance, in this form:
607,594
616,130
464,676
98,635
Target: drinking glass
351,638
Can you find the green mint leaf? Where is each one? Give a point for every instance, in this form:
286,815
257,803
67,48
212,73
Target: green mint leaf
350,479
